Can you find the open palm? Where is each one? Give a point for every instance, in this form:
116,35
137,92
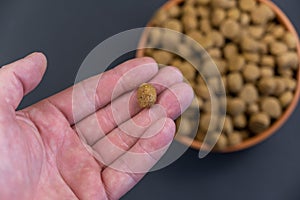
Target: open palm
61,148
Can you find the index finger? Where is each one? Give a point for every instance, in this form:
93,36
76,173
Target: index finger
89,95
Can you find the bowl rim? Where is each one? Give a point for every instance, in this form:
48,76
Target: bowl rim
195,144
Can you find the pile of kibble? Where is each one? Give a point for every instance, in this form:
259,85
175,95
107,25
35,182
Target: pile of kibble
255,54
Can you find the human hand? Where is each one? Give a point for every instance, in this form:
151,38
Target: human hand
48,152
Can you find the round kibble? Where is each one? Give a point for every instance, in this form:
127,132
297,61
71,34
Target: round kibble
235,138
146,95
278,48
268,61
234,13
261,14
234,82
290,40
218,38
230,28
286,98
174,11
249,93
230,50
162,56
271,106
259,122
218,15
236,106
236,63
280,86
202,11
247,5
251,57
288,60
228,126
251,72
266,72
223,3
267,86
189,22
240,121
252,109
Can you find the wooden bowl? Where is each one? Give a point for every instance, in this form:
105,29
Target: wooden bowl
283,19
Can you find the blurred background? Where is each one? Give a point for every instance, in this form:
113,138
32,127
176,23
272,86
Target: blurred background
66,31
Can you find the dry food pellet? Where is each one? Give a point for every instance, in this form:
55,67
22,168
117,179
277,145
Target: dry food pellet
277,31
184,126
195,35
222,141
240,121
228,126
176,62
230,28
251,57
256,31
204,122
189,22
249,93
249,44
286,98
189,10
235,138
288,60
223,3
205,26
233,13
288,73
266,72
174,11
290,40
280,86
230,50
222,65
278,48
203,2
234,82
259,122
236,63
244,19
188,70
218,15
173,24
162,56
207,106
261,14
251,72
146,95
271,106
267,86
247,5
214,53
268,39
159,17
202,11
218,38
252,108
202,92
290,83
268,61
235,106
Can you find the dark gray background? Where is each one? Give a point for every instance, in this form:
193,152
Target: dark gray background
66,31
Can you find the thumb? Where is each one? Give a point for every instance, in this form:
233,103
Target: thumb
19,78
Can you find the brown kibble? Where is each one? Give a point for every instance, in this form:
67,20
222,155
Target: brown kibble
230,50
286,98
202,11
240,121
222,65
252,109
256,31
249,44
290,40
236,63
202,92
259,122
218,15
187,70
278,48
159,17
268,61
205,26
235,138
234,82
173,24
162,57
234,13
290,83
287,73
244,19
189,22
176,62
207,106
214,53
222,141
271,106
206,120
280,86
288,60
223,3
184,126
218,39
262,14
268,39
266,72
267,86
277,31
203,2
251,57
195,35
189,10
249,93
146,95
174,11
228,127
251,72
230,29
247,5
235,106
